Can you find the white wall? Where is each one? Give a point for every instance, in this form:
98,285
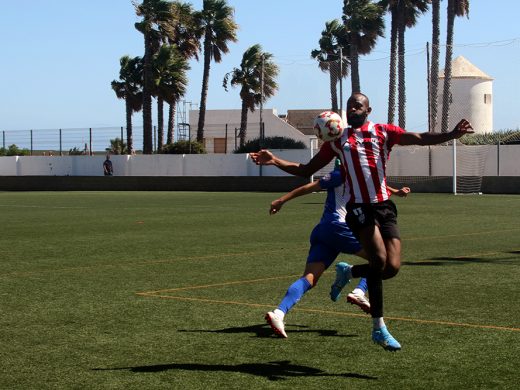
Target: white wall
404,161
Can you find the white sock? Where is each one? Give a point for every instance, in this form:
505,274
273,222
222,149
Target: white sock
358,291
378,322
279,313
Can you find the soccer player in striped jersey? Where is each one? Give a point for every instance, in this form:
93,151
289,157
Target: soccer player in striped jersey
330,237
363,150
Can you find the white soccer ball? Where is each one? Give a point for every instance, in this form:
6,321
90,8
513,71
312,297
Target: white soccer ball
328,126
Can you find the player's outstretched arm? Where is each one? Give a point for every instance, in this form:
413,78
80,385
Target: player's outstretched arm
462,128
265,157
403,192
277,204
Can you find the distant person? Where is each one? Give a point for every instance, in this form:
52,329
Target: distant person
108,169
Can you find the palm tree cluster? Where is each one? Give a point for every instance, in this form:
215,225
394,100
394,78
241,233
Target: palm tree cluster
341,44
173,34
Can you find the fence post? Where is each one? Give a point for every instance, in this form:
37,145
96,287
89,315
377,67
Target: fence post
31,142
60,144
154,138
225,143
454,167
3,139
498,158
90,138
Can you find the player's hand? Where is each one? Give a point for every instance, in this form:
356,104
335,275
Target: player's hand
262,157
276,206
403,192
462,128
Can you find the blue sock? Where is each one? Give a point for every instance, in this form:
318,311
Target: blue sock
294,294
362,285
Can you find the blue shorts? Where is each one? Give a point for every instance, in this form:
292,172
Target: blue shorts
328,240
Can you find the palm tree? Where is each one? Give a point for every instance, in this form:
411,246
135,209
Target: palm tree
187,39
364,23
392,83
256,78
405,14
129,88
332,43
158,22
170,78
455,8
219,28
409,11
434,70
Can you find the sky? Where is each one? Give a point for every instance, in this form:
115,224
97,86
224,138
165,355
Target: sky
59,57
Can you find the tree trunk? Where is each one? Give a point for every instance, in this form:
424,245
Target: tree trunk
204,92
333,86
434,71
401,67
393,69
129,131
446,93
354,67
160,123
171,124
147,97
243,124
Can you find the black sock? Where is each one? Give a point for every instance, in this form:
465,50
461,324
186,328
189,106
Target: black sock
375,294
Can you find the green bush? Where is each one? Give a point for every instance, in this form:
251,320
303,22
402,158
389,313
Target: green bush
183,147
117,146
14,150
255,145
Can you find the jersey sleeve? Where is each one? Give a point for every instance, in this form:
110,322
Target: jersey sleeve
331,180
326,153
394,134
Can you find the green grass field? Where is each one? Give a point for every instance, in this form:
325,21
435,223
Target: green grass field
149,290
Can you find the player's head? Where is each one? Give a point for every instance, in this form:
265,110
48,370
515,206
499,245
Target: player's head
358,108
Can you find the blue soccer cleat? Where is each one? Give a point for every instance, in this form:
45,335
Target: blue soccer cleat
343,276
384,338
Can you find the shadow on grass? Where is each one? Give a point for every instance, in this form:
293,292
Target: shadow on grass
273,371
266,331
461,260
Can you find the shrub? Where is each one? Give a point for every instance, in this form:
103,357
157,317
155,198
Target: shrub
183,147
255,144
504,137
76,152
14,150
117,146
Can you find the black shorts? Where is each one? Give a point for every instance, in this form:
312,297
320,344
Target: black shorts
383,215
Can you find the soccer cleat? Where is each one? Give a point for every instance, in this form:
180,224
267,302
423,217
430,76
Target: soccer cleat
276,324
359,300
343,275
384,338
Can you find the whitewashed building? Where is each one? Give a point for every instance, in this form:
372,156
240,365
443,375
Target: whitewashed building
221,128
471,96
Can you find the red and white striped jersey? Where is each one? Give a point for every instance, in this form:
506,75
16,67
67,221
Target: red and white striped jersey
364,153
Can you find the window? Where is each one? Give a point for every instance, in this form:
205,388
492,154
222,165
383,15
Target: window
487,98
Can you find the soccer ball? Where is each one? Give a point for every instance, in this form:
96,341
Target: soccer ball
328,126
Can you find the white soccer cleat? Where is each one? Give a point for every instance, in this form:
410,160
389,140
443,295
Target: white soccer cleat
276,324
359,300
